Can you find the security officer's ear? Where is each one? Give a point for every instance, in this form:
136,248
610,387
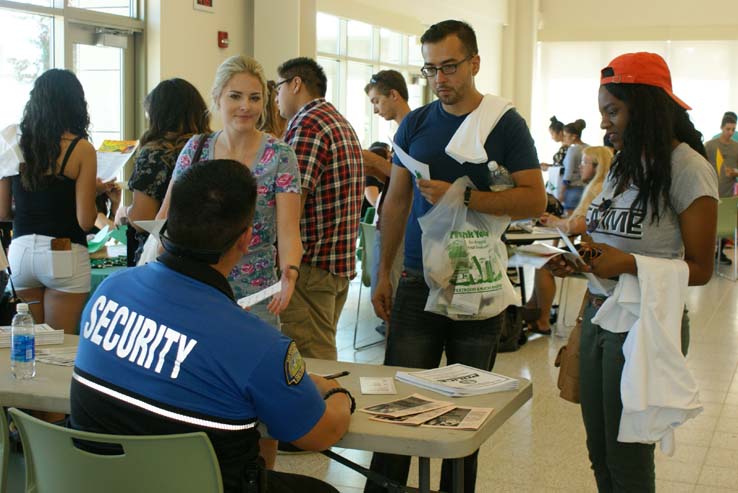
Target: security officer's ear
243,241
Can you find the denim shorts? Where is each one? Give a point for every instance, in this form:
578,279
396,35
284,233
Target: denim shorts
35,265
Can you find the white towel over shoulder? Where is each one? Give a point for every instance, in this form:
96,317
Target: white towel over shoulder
657,389
467,144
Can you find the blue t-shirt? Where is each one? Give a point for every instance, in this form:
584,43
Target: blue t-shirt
424,134
181,349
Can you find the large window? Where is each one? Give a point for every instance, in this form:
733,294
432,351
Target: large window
94,39
567,81
350,52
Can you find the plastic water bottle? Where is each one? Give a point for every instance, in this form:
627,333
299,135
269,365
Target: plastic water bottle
499,177
22,344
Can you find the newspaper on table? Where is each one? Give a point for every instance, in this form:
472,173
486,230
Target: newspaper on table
44,335
458,380
413,419
413,404
62,356
460,418
112,156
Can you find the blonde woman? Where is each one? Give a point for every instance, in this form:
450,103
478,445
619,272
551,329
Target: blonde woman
239,95
594,167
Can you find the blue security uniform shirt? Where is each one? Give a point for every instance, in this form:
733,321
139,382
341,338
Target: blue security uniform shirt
166,348
424,134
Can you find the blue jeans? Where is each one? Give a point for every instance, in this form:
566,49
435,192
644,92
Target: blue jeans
417,339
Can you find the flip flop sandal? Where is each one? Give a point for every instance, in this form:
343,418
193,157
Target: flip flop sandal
533,327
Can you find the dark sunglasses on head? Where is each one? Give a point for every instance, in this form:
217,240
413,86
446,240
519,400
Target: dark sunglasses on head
601,211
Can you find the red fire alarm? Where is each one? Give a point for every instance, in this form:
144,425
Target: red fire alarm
223,39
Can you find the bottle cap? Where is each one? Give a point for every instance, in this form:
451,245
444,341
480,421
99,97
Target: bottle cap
22,307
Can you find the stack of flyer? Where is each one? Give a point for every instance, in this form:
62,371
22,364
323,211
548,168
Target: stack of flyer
418,410
45,335
458,380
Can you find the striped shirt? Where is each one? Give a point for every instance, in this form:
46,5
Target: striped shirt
332,169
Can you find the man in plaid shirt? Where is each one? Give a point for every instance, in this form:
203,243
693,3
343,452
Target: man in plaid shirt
331,166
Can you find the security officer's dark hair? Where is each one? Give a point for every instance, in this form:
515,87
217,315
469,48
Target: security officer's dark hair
212,204
462,30
307,69
386,80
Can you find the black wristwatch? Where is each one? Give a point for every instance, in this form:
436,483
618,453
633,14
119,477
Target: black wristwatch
467,196
341,390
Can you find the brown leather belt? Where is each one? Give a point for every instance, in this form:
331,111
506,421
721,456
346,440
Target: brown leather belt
595,300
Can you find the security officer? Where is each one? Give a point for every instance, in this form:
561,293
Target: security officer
164,348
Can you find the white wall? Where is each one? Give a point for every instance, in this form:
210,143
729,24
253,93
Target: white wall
182,42
579,20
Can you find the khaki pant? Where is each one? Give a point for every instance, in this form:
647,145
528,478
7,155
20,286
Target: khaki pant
312,315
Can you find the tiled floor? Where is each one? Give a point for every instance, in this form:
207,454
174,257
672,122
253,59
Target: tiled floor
541,448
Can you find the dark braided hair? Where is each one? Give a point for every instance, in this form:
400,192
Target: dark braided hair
656,120
57,105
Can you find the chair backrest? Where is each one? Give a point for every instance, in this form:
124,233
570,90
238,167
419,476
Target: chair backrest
727,217
146,464
4,451
368,218
369,234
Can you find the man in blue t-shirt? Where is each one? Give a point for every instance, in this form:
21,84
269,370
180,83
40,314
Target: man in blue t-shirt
164,348
418,338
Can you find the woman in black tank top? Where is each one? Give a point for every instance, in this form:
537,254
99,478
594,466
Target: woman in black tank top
54,199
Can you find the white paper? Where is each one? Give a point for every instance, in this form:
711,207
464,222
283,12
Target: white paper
10,153
413,419
460,418
152,226
63,356
593,279
413,404
458,380
377,386
110,163
253,299
3,259
416,168
43,333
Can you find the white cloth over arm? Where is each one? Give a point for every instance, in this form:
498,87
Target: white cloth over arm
658,391
467,144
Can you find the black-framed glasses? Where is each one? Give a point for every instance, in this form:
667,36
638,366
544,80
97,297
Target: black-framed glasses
599,215
430,71
276,87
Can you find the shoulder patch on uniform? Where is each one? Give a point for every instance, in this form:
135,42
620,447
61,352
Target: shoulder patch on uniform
294,365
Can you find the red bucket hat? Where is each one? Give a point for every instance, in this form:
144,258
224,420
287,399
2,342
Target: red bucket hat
640,68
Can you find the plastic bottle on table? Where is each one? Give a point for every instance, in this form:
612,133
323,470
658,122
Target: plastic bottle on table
499,177
22,344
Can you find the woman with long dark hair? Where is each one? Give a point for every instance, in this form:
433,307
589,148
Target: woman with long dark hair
54,195
176,111
659,201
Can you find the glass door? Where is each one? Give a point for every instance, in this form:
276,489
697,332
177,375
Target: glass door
102,58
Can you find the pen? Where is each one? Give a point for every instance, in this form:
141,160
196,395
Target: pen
337,375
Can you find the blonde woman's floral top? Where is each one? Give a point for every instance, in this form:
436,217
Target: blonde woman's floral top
275,170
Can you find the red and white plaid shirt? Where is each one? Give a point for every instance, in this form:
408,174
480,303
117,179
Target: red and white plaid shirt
332,169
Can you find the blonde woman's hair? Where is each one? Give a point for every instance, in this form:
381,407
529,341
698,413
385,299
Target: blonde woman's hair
602,158
238,64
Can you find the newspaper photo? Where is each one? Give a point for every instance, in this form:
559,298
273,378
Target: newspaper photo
458,380
460,418
414,404
413,419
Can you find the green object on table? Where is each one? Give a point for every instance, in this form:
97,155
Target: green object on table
102,237
119,234
145,464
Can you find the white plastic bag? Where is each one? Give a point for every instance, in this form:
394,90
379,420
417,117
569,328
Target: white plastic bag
150,250
464,259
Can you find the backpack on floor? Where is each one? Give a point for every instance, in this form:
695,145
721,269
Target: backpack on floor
512,335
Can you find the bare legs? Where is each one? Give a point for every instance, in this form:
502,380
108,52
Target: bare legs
58,309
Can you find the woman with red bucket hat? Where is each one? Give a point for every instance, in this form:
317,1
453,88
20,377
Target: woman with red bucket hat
659,200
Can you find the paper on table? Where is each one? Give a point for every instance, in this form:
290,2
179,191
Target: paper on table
590,277
112,156
460,418
419,170
99,240
413,404
253,299
63,356
377,385
414,419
